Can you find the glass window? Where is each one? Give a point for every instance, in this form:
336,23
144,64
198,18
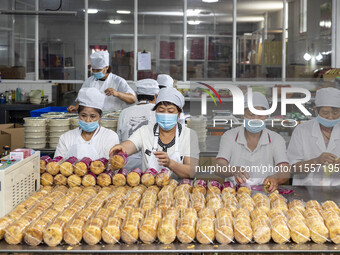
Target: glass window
160,31
259,39
17,42
61,42
309,52
209,40
111,27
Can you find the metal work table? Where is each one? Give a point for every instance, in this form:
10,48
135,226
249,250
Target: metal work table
5,109
320,194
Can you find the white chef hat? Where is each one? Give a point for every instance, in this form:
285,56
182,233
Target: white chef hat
147,87
100,59
171,95
165,80
327,97
259,100
91,97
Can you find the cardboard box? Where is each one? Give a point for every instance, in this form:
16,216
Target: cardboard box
11,135
15,72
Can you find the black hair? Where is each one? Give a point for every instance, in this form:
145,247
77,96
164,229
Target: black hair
145,97
166,103
81,108
161,86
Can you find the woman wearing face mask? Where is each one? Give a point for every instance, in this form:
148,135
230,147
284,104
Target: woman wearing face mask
315,144
90,139
252,150
166,144
118,93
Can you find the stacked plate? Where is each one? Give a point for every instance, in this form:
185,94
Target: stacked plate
57,127
35,132
110,123
74,122
199,124
53,115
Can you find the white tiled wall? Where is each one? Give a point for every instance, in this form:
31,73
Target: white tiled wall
28,86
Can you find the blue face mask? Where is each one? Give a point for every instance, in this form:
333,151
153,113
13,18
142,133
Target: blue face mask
99,75
326,122
254,126
88,126
166,120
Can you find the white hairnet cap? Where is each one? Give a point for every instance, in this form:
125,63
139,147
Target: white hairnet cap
327,97
91,97
259,100
147,87
171,95
100,59
165,80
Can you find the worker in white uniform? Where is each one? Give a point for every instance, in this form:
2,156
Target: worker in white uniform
90,139
165,81
314,149
133,117
166,144
251,150
119,94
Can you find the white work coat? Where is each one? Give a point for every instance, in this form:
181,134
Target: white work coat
307,143
112,81
100,144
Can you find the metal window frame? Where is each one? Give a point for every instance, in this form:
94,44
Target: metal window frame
335,42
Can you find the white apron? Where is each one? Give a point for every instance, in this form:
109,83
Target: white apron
80,149
175,156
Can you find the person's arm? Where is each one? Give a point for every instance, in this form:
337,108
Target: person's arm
126,147
236,171
73,108
279,178
132,145
306,166
126,97
183,170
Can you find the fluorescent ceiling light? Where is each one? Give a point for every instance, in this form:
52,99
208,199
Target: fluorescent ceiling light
193,12
249,18
319,57
123,11
260,5
210,1
307,56
91,11
115,21
194,22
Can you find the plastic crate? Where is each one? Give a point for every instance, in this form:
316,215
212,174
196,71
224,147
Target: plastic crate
38,112
18,181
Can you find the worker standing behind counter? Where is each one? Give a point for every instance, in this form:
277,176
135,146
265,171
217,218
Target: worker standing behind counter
316,143
118,93
166,144
254,145
165,81
133,117
90,139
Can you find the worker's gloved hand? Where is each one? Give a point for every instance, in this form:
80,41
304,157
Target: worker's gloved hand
115,149
72,109
110,92
241,176
271,184
326,158
163,158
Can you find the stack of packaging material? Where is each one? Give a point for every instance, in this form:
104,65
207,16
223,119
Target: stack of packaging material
35,132
57,127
